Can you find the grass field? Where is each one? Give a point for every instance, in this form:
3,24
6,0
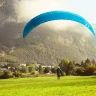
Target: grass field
49,86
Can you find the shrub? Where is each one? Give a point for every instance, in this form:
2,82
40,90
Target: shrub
47,70
17,74
63,74
23,75
1,74
7,74
86,71
89,70
32,73
80,71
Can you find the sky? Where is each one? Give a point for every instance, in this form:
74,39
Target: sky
86,8
26,9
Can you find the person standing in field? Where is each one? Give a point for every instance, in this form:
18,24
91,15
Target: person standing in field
59,71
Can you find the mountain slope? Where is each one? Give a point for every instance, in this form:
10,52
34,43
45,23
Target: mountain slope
45,44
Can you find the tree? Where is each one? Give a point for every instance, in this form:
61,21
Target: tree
67,66
93,61
87,63
24,69
31,68
40,69
71,67
82,63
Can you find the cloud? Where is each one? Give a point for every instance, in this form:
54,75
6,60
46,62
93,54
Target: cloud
27,9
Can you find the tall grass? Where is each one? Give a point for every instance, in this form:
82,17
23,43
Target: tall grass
49,86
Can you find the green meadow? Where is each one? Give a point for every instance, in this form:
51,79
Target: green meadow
49,86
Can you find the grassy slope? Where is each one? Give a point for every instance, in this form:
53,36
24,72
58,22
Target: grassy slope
49,86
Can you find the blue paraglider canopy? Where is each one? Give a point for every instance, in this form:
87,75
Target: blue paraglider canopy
55,15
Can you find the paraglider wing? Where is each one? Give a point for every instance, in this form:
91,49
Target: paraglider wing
55,15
